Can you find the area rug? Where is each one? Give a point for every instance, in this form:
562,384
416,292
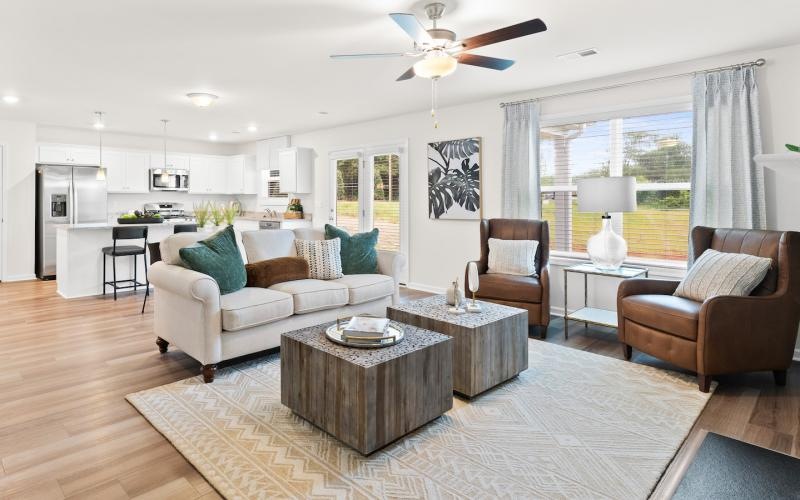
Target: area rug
574,425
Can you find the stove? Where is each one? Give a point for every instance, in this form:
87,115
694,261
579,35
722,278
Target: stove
167,210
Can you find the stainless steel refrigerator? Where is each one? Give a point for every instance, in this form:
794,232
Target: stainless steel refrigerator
65,194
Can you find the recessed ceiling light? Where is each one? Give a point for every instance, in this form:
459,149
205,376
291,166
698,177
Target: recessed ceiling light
252,128
212,136
577,54
202,99
10,99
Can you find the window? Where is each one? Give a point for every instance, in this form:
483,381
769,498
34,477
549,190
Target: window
655,148
273,179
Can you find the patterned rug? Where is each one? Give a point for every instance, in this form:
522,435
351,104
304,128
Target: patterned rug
574,425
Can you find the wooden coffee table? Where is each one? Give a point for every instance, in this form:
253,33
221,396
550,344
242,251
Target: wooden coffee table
490,347
367,398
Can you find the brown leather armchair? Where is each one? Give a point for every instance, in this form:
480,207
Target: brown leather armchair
724,334
526,292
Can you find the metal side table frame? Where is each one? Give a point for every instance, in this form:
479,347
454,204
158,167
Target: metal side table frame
594,315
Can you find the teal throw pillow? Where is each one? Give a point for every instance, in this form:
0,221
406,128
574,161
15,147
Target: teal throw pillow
218,256
359,255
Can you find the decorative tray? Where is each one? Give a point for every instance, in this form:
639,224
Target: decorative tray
395,335
141,220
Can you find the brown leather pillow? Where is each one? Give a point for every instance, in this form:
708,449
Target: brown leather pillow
266,273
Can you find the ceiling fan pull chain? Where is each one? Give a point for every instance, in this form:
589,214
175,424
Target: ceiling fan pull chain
434,101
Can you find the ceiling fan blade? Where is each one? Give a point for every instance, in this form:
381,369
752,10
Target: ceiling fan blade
368,55
485,61
407,75
503,34
411,25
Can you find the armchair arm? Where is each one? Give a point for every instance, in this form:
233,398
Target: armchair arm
746,334
188,311
640,286
392,264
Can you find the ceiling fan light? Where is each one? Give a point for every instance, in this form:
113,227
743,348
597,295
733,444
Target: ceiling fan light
435,65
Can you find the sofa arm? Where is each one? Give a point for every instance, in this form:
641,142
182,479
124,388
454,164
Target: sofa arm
188,311
392,264
746,334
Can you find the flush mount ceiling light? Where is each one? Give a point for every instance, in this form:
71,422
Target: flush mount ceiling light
252,128
202,99
98,120
10,99
436,64
212,136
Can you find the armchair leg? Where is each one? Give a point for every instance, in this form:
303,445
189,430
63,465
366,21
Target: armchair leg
543,331
704,382
627,351
780,377
208,373
162,345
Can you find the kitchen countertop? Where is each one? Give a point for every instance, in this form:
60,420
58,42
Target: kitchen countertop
109,225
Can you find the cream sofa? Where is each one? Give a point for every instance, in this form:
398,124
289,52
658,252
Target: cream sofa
191,314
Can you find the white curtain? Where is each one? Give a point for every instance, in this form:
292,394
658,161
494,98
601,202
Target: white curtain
521,191
727,186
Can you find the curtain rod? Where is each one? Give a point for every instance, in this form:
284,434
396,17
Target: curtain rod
757,62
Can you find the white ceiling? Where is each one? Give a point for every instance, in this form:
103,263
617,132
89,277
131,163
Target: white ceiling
268,59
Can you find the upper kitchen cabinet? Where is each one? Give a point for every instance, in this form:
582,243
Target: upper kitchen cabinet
127,172
208,175
242,175
174,162
296,166
64,153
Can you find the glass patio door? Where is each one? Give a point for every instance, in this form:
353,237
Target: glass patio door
347,212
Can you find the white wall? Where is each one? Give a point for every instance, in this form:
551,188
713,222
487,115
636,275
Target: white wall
439,249
19,144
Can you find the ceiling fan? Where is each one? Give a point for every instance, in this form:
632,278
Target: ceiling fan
439,49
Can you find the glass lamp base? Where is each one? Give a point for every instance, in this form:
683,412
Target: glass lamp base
607,249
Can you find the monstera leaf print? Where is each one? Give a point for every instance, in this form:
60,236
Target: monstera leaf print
466,182
440,198
459,148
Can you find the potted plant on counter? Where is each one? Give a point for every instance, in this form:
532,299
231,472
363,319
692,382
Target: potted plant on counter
217,214
201,213
230,211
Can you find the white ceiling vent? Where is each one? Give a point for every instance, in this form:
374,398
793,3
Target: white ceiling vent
569,56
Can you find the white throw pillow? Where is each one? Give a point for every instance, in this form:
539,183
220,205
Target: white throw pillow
323,256
721,273
517,257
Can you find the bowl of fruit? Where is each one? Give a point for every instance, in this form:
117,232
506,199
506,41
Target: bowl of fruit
139,217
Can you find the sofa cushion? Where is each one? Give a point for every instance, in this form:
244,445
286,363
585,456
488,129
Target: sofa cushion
667,313
218,256
359,255
366,287
314,295
268,244
268,272
171,245
509,287
250,307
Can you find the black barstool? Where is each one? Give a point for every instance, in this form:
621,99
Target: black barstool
126,233
184,228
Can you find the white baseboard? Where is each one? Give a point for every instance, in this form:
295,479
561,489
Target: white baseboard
20,277
426,288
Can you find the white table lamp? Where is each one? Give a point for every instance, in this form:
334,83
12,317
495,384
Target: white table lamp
607,249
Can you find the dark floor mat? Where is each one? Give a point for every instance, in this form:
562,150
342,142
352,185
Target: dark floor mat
725,468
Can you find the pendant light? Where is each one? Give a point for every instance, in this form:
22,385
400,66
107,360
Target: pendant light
99,125
165,173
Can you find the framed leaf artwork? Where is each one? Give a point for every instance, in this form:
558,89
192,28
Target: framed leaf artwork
454,179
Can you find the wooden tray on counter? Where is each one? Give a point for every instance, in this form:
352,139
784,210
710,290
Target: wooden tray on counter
141,220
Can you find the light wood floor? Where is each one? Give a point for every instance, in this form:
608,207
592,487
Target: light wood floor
66,430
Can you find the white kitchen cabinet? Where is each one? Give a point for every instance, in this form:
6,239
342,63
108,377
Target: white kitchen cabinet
126,172
242,175
65,153
296,166
174,161
208,175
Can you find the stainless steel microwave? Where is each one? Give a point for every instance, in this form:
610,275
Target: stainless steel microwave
169,180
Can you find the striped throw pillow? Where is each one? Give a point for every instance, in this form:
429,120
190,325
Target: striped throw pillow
517,257
323,256
721,273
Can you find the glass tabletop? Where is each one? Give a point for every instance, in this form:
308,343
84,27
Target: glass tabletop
622,272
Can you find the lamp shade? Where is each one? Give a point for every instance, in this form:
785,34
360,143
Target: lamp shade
607,194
